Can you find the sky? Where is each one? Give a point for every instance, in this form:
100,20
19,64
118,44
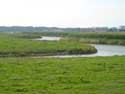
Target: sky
62,13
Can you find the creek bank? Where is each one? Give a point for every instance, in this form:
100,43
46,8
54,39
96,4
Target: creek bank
54,53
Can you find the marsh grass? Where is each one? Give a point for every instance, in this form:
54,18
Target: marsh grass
114,38
11,46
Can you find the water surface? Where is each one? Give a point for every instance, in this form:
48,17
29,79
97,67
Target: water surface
49,38
109,50
103,50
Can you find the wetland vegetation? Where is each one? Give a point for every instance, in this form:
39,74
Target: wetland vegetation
12,46
113,38
52,75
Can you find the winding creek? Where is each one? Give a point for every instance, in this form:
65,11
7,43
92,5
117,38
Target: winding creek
109,50
103,50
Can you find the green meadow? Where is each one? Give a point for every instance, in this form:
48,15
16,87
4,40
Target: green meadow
94,75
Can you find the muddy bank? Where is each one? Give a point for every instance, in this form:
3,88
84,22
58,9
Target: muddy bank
54,53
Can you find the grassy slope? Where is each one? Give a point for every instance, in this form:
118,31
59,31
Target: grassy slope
98,75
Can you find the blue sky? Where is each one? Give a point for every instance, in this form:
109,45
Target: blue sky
62,13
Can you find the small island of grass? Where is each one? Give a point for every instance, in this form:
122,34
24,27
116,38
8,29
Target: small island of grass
25,47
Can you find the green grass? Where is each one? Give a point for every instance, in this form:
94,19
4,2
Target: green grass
95,75
98,35
113,38
105,35
88,75
117,38
12,46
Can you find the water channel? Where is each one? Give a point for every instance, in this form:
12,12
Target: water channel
103,50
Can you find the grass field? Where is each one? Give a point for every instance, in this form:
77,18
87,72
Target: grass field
114,38
106,35
85,75
97,75
12,46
